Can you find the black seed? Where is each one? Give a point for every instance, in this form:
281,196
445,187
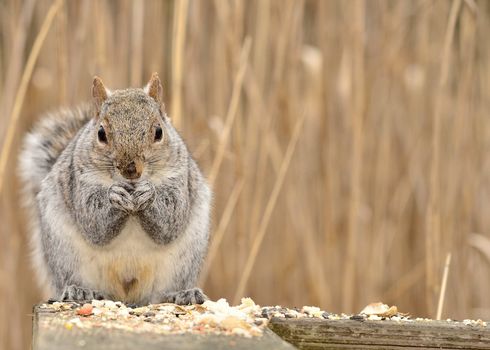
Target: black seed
267,313
357,317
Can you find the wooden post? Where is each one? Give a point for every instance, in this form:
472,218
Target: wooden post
309,333
48,334
50,331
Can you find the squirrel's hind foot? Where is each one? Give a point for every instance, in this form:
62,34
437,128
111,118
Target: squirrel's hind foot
184,297
75,293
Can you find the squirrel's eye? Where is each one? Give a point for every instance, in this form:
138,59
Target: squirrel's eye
101,135
158,134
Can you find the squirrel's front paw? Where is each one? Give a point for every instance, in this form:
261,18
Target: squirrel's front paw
120,197
143,195
75,293
184,297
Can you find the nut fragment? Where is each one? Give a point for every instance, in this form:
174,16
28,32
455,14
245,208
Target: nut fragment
379,309
85,310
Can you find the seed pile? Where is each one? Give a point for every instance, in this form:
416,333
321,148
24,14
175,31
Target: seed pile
217,317
211,317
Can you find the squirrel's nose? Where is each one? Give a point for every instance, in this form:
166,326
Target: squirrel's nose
131,171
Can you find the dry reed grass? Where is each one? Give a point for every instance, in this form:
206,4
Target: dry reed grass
390,170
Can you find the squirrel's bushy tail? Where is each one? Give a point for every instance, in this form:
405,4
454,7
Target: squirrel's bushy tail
44,144
41,147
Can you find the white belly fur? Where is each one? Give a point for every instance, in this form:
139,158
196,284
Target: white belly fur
131,255
132,268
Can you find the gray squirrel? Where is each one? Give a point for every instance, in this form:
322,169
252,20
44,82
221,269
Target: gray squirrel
118,207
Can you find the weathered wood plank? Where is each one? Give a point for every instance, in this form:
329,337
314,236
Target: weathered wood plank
49,337
52,330
352,334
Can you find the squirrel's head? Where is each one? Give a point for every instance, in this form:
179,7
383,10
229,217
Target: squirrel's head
130,127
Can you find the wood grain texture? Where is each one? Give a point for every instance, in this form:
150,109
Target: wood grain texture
353,334
306,333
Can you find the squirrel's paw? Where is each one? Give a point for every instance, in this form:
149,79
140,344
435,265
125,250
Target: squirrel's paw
184,297
143,195
120,197
75,293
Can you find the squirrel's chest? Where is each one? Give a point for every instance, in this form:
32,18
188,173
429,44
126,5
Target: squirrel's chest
131,268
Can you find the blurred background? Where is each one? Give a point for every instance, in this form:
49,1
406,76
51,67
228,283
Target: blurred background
347,142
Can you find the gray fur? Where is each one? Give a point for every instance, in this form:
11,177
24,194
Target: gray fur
73,292
97,234
184,297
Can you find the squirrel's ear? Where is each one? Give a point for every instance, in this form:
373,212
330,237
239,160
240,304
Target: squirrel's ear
154,89
99,94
